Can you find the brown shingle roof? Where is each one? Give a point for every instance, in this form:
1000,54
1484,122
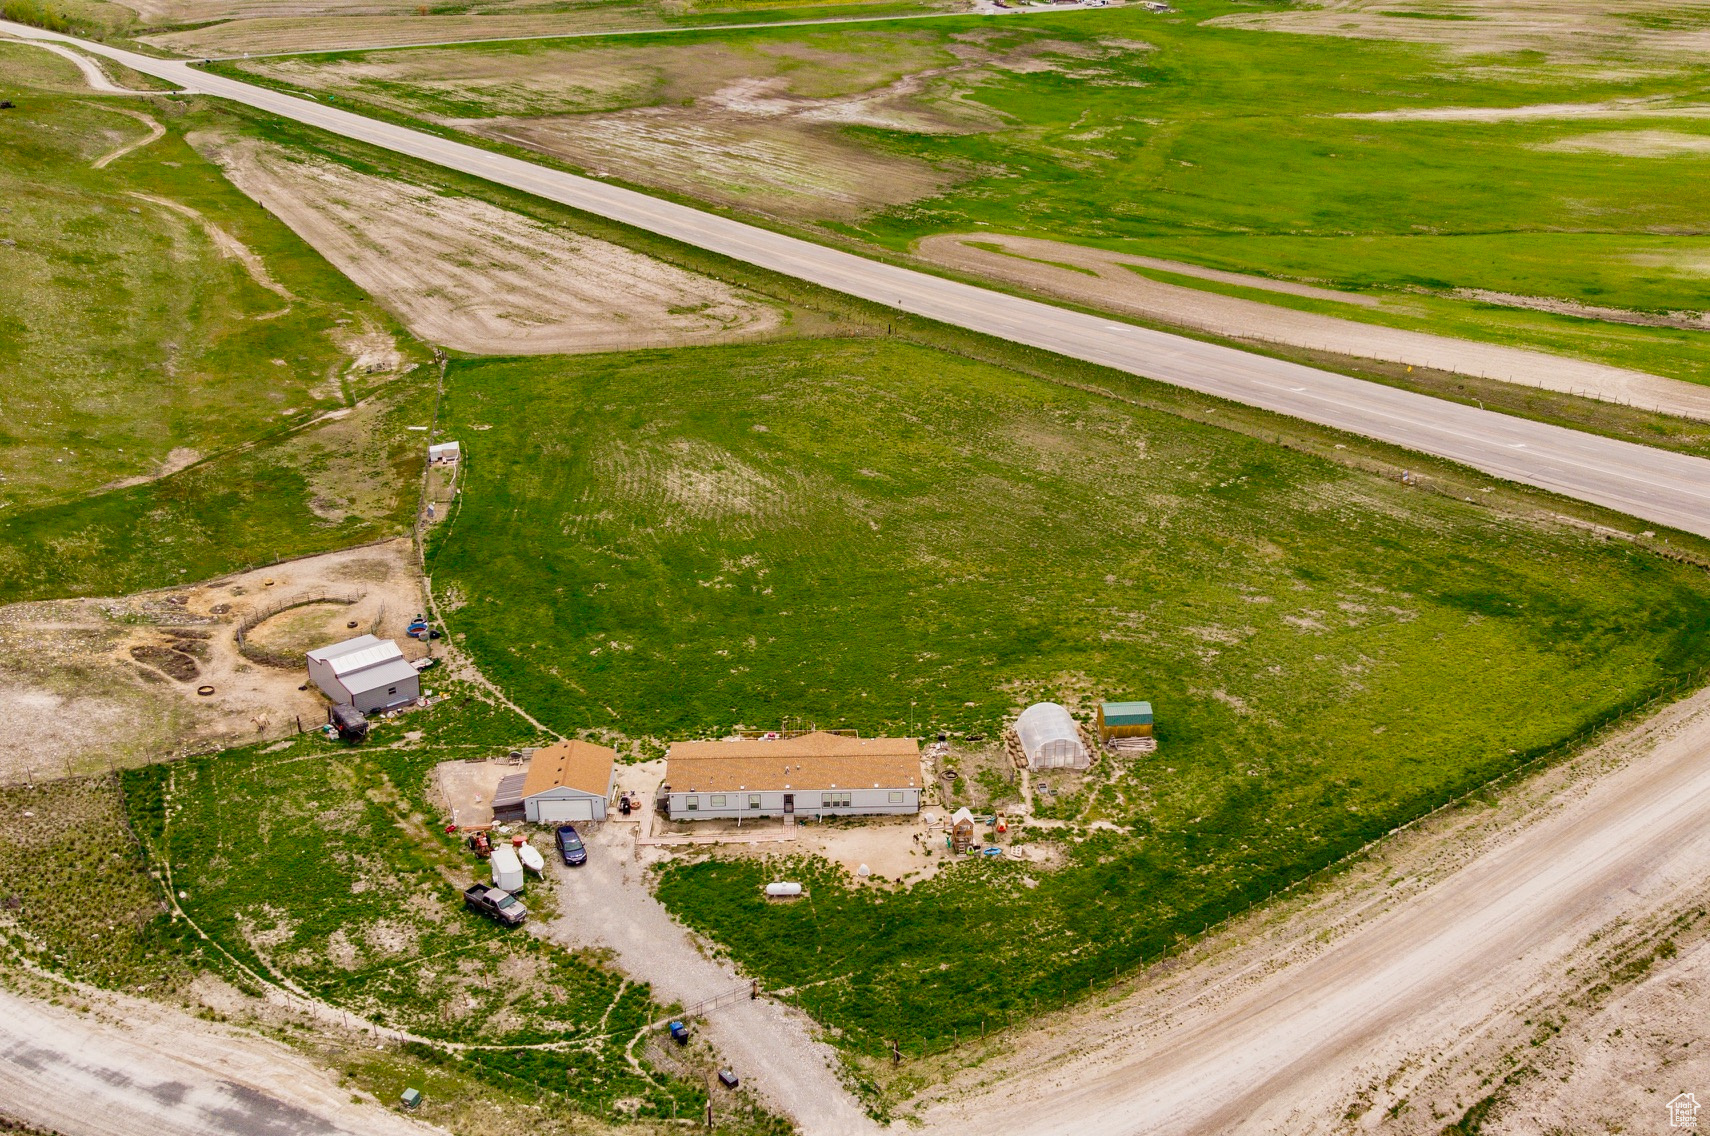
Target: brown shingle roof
812,761
573,764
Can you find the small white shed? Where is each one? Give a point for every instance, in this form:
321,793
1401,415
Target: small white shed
1050,738
444,452
365,672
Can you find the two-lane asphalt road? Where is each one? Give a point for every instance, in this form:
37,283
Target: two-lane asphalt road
1665,488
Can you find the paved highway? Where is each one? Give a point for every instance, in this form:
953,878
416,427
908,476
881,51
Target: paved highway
1665,488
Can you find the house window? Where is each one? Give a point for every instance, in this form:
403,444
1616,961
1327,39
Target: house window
391,690
834,800
754,800
896,797
717,801
691,803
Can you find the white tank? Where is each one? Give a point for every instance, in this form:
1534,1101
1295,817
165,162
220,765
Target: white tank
507,869
783,888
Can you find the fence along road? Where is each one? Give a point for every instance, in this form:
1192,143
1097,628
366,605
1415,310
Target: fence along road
1665,488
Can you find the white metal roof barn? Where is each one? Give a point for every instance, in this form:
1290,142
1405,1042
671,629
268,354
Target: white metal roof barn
365,672
1050,738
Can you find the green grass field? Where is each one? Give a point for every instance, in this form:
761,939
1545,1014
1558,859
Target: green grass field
671,543
131,345
1173,138
321,867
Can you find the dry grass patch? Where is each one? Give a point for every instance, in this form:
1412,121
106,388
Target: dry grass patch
476,278
787,168
1565,29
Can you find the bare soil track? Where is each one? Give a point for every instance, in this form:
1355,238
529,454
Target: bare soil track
1100,279
164,1073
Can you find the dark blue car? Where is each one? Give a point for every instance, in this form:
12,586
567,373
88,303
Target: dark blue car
570,846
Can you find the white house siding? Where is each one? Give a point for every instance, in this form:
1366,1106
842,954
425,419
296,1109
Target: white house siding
809,803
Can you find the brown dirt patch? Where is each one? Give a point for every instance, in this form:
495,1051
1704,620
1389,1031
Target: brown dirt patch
1635,144
1099,278
466,788
1653,107
1563,29
81,682
471,276
172,663
786,168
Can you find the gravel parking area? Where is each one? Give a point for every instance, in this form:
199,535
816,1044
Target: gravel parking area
773,1048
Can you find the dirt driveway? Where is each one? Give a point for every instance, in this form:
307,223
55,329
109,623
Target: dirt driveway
1099,278
773,1049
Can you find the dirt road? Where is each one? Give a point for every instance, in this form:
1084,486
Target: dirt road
1100,279
1665,488
606,903
166,1074
1311,1046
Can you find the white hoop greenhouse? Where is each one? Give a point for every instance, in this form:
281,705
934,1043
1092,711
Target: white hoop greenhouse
1050,738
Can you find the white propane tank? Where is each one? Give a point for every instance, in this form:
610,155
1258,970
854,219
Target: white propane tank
783,889
507,869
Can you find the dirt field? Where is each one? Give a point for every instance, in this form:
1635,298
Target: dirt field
1506,957
98,682
475,278
1028,262
752,125
1565,29
1539,112
467,787
125,1066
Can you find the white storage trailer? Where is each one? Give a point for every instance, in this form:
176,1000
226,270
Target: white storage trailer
507,869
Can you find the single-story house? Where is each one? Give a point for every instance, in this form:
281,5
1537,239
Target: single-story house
365,672
819,774
566,782
444,453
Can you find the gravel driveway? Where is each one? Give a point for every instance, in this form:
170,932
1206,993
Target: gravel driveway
773,1048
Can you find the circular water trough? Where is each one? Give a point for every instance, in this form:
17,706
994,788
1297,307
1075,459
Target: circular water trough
204,691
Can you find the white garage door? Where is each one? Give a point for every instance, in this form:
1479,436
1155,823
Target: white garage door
559,812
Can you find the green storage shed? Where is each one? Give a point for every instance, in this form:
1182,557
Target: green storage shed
1124,720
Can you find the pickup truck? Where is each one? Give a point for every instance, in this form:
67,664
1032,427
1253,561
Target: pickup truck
498,905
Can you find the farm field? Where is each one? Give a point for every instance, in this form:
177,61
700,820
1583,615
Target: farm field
154,316
1151,135
871,534
202,28
472,277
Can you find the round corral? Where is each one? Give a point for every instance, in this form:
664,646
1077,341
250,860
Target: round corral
295,630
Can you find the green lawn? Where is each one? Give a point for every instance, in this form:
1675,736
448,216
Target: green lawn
670,543
1169,137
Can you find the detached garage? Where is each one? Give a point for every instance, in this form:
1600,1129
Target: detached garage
565,783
